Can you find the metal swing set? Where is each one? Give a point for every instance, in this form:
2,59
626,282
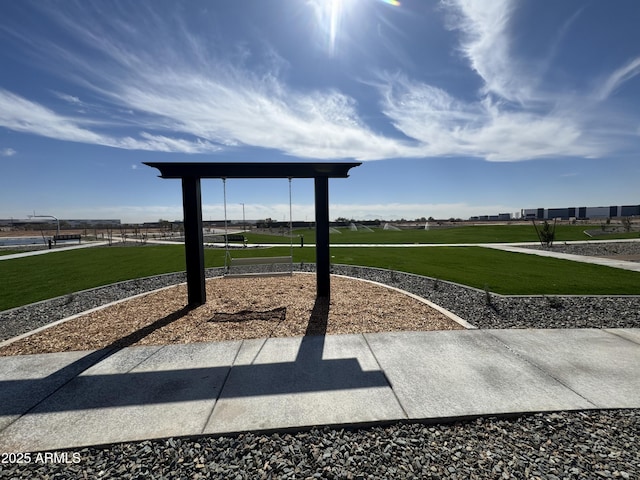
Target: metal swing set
233,267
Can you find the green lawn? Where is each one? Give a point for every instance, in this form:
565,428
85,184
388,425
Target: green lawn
39,277
501,272
30,279
464,234
10,252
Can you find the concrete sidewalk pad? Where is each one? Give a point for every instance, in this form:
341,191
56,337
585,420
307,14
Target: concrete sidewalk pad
631,334
303,382
463,373
135,394
601,367
28,379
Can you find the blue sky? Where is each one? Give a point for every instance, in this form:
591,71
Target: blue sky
456,107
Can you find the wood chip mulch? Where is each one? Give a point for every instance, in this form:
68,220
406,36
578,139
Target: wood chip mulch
239,308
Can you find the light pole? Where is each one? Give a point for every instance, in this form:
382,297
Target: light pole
48,216
244,228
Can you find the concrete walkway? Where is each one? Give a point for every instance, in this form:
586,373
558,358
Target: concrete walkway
53,250
61,400
607,262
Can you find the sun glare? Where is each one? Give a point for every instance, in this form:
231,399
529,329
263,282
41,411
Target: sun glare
334,24
332,17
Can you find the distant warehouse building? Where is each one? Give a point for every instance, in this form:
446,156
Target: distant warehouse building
581,213
499,217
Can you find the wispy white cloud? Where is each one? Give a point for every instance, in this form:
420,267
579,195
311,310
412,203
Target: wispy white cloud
22,115
617,78
240,108
512,118
7,152
486,45
448,126
68,98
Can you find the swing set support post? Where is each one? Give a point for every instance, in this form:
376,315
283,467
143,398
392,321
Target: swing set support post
323,258
193,244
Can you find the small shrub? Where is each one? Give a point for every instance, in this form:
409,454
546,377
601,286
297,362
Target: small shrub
69,299
488,299
547,234
554,302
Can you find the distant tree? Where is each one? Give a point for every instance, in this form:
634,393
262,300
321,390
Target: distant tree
626,224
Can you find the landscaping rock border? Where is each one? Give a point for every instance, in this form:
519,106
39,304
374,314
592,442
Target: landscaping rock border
567,445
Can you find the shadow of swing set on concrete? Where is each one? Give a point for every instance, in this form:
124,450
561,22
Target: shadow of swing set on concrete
307,373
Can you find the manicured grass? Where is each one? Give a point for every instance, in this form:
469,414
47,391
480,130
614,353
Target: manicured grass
30,279
500,272
10,252
464,234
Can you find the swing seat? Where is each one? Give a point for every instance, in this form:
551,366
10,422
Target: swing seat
272,261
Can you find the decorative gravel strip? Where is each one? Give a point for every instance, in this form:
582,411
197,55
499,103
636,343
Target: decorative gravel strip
595,444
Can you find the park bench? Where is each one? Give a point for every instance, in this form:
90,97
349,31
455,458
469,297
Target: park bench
271,262
67,237
236,238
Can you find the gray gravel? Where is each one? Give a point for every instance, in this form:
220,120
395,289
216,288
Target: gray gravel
593,444
594,249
